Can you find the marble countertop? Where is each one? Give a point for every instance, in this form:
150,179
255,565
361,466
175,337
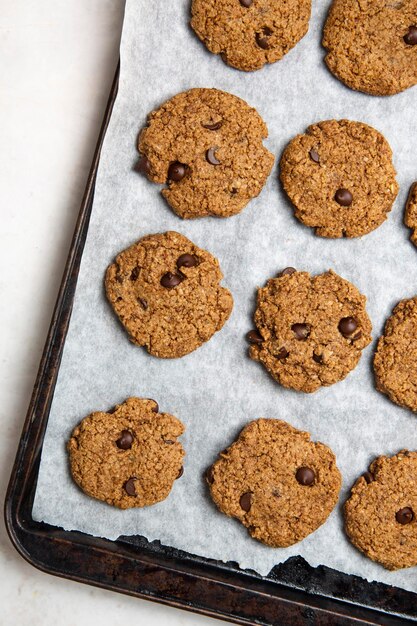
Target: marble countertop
58,60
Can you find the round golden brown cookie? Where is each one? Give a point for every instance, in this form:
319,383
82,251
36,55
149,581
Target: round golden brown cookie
277,482
250,33
310,330
340,178
129,457
166,293
380,515
410,217
395,361
372,44
207,146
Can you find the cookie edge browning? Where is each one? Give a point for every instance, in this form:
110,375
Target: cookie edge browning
255,349
287,430
263,135
410,214
131,403
112,269
389,329
353,500
247,67
309,132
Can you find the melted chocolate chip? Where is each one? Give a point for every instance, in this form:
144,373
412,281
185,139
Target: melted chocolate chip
282,354
143,165
287,272
314,155
411,37
246,3
176,172
209,475
211,156
169,280
187,260
343,197
368,477
143,303
305,476
125,440
253,336
129,486
155,408
301,331
214,126
262,38
318,358
245,501
405,515
135,273
347,326
180,473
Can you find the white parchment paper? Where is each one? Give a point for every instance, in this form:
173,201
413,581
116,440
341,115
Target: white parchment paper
216,390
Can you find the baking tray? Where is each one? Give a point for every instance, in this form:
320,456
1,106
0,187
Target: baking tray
292,594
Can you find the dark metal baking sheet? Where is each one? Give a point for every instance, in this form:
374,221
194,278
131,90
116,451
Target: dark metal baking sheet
292,594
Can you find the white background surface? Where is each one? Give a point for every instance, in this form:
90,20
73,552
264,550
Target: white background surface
57,63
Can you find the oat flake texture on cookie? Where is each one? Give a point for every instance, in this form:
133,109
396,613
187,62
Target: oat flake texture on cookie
166,292
129,457
276,481
250,33
372,44
340,178
395,361
311,330
380,515
206,145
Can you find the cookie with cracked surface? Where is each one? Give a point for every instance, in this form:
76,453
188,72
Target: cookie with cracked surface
395,361
410,217
250,33
129,457
276,481
310,330
166,292
372,44
340,178
207,146
380,515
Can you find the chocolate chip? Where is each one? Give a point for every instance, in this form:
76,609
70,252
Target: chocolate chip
143,165
314,156
282,354
343,197
262,38
125,440
176,171
254,337
135,273
155,408
305,476
318,358
129,486
405,515
209,475
214,126
301,331
368,477
143,303
411,37
170,442
246,3
211,156
347,326
180,473
169,280
245,501
187,260
287,272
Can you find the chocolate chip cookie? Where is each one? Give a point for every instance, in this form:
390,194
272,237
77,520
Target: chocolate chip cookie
372,44
310,330
276,481
410,218
250,33
380,515
206,146
340,178
129,457
395,361
166,293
